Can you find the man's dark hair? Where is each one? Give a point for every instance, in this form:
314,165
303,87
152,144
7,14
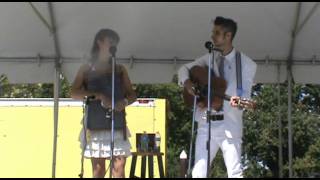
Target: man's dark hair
228,25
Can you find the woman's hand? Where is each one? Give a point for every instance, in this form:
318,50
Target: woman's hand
105,101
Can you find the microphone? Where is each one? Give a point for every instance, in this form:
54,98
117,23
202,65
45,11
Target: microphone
113,50
209,45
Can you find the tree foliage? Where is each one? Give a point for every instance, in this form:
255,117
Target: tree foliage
260,135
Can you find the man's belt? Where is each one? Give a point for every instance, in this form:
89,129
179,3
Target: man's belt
216,117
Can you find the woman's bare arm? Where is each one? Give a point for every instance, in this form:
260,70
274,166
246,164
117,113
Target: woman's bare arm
130,93
77,90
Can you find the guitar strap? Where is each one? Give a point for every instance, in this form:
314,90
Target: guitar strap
239,74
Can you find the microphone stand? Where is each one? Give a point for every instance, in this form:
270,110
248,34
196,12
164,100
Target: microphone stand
113,50
210,47
192,134
85,113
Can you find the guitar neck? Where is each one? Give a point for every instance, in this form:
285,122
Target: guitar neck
226,97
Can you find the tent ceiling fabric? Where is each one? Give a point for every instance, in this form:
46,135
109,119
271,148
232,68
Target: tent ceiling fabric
158,30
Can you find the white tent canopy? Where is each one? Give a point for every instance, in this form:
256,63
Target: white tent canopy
156,38
38,41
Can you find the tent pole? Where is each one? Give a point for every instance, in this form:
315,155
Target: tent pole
56,86
45,22
55,115
280,127
314,8
289,76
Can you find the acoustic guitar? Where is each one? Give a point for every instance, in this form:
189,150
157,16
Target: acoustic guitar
199,77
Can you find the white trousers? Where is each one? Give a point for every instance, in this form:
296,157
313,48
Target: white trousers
231,149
